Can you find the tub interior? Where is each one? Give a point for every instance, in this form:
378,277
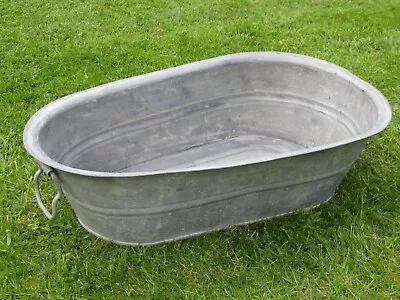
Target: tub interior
220,116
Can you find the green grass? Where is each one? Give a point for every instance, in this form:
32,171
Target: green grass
346,249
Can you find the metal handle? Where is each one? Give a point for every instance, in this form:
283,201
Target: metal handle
53,214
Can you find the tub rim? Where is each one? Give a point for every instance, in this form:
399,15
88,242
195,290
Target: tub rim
60,105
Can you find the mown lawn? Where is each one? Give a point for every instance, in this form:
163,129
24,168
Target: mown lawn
346,249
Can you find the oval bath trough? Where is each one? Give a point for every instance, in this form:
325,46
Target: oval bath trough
200,147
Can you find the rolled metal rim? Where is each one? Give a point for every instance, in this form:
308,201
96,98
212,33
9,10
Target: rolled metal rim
51,110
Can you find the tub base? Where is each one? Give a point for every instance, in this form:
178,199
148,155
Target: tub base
218,153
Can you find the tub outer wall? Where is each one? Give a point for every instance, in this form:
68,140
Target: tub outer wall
153,209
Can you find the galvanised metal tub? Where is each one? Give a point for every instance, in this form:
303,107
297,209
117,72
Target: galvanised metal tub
200,147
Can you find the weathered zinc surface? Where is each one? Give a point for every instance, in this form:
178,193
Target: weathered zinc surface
200,147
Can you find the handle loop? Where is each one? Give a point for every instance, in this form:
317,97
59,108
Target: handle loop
56,182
